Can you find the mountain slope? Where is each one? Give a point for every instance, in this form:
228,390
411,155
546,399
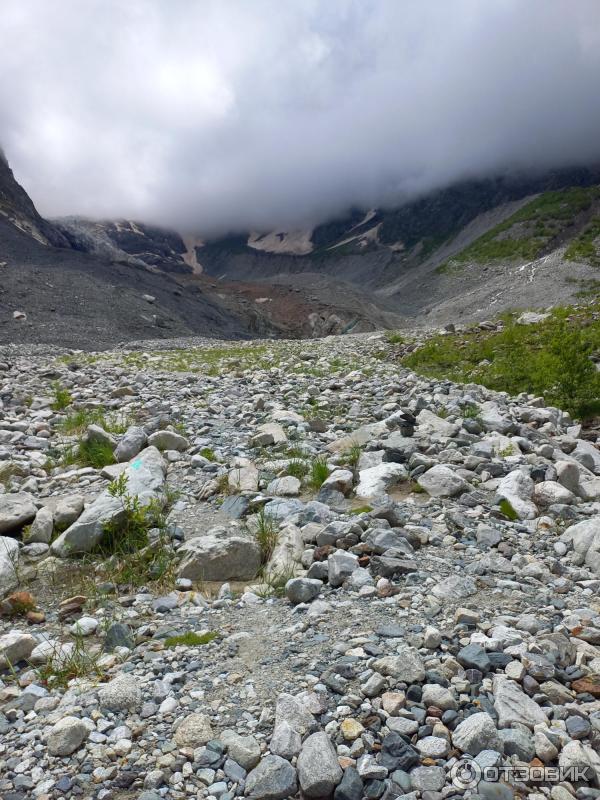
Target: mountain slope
90,285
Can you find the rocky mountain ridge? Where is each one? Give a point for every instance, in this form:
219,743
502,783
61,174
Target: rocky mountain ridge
526,240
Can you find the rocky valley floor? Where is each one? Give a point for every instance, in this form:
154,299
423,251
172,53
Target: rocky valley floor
284,569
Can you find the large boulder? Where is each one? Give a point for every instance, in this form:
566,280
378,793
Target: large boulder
517,488
585,539
375,481
441,481
221,554
16,510
429,423
145,476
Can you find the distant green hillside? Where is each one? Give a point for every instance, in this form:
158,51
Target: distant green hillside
545,222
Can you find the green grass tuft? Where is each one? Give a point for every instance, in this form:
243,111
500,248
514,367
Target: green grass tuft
190,639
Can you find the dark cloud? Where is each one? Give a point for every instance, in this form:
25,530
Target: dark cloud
229,114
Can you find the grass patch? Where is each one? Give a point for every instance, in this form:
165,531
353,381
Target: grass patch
208,453
393,337
190,639
267,535
64,665
318,473
62,397
508,510
297,469
361,510
352,455
88,454
584,247
550,358
526,233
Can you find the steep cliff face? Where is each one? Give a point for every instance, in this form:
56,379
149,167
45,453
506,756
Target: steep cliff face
17,208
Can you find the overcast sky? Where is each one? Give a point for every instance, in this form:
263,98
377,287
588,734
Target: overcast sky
212,115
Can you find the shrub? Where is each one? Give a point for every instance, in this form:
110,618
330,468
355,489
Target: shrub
550,358
62,397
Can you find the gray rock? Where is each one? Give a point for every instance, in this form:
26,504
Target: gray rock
14,647
168,440
302,590
318,768
16,510
120,694
288,486
585,540
273,779
456,587
476,733
195,730
67,736
428,779
244,750
513,705
221,554
285,741
145,480
95,433
440,481
375,481
41,527
340,565
407,666
118,635
67,510
293,711
518,742
132,443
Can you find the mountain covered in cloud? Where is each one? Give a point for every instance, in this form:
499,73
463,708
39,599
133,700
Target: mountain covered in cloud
226,117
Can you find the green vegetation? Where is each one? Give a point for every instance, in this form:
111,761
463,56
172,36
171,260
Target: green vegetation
361,510
318,474
508,510
129,532
352,455
526,233
208,453
129,557
190,639
89,454
583,247
550,358
394,337
62,397
80,419
267,535
65,664
297,468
